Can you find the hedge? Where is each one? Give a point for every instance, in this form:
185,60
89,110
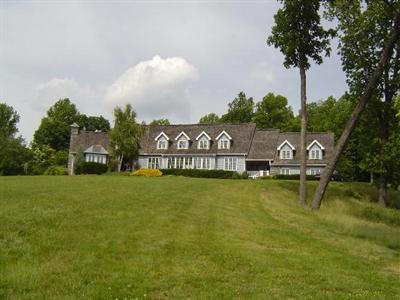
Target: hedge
56,170
147,173
222,174
92,168
294,177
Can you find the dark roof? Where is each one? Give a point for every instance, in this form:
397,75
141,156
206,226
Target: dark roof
86,139
241,135
326,139
263,146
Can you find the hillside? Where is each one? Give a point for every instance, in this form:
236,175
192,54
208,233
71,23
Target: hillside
108,237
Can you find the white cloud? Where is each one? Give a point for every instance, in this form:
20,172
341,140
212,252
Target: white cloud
156,88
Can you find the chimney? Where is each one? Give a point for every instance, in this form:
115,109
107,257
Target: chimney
74,129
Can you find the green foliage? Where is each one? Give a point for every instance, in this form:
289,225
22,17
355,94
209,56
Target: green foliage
274,112
329,115
9,119
93,168
160,122
93,123
240,110
125,136
210,118
43,157
293,177
78,162
298,34
54,129
56,170
14,156
200,173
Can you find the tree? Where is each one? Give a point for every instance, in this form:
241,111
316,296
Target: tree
125,136
13,153
160,122
357,28
210,118
8,121
54,129
329,115
240,110
274,112
300,37
93,123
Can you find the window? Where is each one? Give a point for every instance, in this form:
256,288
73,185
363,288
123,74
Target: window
315,154
183,144
223,144
154,163
162,144
284,171
230,163
98,158
203,144
286,154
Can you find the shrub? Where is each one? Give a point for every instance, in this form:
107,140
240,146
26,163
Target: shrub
222,174
56,170
92,168
147,173
294,177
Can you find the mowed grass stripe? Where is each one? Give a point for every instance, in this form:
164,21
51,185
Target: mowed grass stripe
108,237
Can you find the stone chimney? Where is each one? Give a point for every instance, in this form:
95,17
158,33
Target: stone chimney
71,156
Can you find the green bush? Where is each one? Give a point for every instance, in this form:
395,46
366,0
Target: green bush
293,177
200,173
56,170
92,168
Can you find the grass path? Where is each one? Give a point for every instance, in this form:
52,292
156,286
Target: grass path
122,237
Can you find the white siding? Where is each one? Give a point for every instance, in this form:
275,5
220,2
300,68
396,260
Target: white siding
241,163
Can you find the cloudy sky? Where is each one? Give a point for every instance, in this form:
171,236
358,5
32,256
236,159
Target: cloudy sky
169,59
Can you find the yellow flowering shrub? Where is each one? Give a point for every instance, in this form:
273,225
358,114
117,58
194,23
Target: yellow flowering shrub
147,173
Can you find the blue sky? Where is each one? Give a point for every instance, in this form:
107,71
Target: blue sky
169,59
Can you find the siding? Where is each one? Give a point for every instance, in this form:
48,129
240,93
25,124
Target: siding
241,163
296,170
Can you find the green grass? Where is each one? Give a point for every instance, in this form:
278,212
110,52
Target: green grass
108,237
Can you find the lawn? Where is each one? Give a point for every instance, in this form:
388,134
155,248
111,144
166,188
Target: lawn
109,237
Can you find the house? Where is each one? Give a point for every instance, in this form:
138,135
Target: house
235,147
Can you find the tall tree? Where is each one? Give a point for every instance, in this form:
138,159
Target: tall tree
240,110
13,153
93,123
160,122
54,129
125,135
300,37
358,28
274,112
8,121
210,118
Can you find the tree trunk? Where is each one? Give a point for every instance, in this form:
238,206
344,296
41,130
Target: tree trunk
303,138
382,198
120,159
351,124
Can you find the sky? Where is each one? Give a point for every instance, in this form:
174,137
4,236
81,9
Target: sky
170,59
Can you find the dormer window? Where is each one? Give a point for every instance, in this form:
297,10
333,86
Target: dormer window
286,150
203,140
162,144
182,141
223,144
224,140
162,141
183,144
203,144
315,150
